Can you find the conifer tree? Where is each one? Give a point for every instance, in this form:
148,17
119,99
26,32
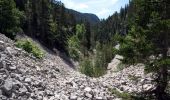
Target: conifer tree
9,18
149,36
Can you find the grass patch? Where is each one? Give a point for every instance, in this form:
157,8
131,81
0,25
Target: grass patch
30,47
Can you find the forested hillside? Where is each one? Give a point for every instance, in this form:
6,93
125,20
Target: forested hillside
82,17
141,30
46,20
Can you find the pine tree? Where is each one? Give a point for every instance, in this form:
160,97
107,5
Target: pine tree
9,18
149,36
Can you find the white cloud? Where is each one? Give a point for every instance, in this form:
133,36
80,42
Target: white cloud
103,2
102,8
74,5
103,12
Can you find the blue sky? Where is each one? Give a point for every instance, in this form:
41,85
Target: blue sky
102,8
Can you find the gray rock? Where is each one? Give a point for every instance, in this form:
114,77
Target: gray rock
12,67
51,98
147,87
23,90
7,87
16,84
2,46
99,98
49,93
27,80
73,97
1,42
3,98
1,65
88,95
0,93
8,50
88,89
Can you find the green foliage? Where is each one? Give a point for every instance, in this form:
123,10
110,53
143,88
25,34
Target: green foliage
99,60
30,47
91,67
148,36
123,95
126,96
9,18
73,48
87,67
76,48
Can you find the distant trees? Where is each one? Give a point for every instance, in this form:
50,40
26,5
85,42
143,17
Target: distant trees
9,18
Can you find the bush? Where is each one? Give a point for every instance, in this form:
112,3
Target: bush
96,64
93,66
30,47
87,67
73,48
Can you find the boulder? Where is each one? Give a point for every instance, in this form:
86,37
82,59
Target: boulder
7,87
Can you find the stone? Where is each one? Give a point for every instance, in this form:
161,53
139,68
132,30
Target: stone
56,69
12,67
142,81
1,64
38,68
147,87
123,82
0,92
16,85
10,50
2,47
1,42
52,98
27,80
99,98
57,96
88,95
7,87
3,98
73,97
88,89
23,90
45,98
49,93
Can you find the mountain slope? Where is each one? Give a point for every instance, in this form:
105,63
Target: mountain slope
91,18
23,77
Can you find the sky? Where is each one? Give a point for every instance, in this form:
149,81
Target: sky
102,8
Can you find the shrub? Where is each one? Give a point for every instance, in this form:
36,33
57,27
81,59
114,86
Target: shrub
96,64
87,67
73,48
30,47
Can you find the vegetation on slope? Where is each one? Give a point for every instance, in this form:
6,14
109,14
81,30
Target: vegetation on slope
30,47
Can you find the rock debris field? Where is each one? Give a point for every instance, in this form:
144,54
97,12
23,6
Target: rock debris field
23,77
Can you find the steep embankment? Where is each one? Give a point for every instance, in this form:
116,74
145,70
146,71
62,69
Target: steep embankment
23,77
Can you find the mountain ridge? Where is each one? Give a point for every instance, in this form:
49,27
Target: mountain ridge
79,16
